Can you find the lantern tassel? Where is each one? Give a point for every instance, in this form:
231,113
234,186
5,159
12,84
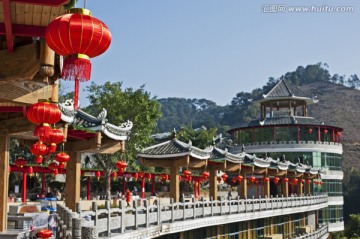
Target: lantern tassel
76,93
75,67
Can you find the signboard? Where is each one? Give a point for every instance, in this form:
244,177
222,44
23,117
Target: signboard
89,174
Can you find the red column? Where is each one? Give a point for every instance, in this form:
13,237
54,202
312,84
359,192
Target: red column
142,187
195,188
319,134
24,188
124,185
43,182
298,134
88,188
333,135
198,189
153,184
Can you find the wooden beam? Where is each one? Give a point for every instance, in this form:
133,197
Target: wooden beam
164,163
24,30
16,126
4,180
174,183
52,3
213,183
90,146
8,25
196,164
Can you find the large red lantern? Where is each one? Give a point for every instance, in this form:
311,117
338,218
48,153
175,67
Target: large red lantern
54,137
20,162
78,37
43,112
62,158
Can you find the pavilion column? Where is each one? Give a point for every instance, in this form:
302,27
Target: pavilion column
174,183
243,187
195,189
285,188
23,190
88,188
213,183
124,185
72,186
4,180
153,184
142,187
300,188
198,189
267,189
307,188
43,183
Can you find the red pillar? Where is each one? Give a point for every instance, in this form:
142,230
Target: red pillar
142,187
153,184
195,188
298,134
43,182
198,189
319,134
333,135
88,188
24,188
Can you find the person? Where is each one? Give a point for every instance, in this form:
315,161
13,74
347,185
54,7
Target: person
58,195
128,198
229,195
49,194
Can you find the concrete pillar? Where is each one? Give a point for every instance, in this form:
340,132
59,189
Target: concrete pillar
300,188
213,183
174,183
267,189
243,187
89,232
4,180
72,187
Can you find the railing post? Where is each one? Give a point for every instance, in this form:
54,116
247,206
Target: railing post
203,206
89,232
212,205
136,214
77,223
183,202
253,202
158,212
172,209
58,229
64,233
108,208
221,206
146,205
94,209
69,217
78,208
122,214
238,203
193,206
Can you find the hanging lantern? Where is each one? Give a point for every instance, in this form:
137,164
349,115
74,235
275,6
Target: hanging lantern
43,112
141,175
308,181
97,175
239,178
326,131
121,165
266,179
310,130
205,174
39,149
276,180
62,158
114,175
252,179
294,181
187,172
286,180
338,134
78,37
302,180
54,137
148,176
45,233
53,166
20,162
56,172
224,177
136,176
30,171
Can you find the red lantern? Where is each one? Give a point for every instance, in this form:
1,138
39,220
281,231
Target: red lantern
114,175
302,180
187,172
45,233
121,165
294,181
54,137
326,131
266,179
39,149
338,134
97,175
276,180
53,166
239,178
148,176
224,176
205,174
141,175
78,36
56,172
308,181
286,180
310,130
30,171
136,176
43,112
62,158
252,179
20,162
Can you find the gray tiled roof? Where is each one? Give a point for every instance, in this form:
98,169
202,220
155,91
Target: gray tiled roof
285,89
169,147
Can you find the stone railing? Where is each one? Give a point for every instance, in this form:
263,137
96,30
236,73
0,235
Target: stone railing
321,232
112,222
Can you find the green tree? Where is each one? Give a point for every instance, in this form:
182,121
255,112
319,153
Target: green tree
125,104
353,227
200,137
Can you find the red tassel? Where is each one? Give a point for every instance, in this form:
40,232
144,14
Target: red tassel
76,68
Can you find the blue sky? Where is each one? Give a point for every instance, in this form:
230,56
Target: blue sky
214,49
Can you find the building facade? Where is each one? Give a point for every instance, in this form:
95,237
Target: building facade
286,131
